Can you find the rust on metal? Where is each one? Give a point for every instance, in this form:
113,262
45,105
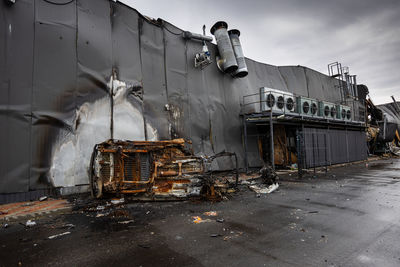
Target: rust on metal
151,168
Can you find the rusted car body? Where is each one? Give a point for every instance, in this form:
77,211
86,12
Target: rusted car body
153,169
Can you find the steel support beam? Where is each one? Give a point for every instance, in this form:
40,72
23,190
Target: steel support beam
271,132
246,162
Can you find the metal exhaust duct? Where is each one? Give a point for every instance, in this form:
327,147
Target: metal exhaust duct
196,36
237,49
219,30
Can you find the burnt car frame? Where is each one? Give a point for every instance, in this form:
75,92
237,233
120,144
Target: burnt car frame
153,169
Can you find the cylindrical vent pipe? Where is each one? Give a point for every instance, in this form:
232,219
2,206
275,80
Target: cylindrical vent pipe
237,49
219,30
196,36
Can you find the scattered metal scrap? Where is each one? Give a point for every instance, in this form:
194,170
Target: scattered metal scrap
214,186
151,169
59,235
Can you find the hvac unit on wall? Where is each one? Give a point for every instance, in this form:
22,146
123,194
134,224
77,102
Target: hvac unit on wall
343,113
327,110
307,106
276,100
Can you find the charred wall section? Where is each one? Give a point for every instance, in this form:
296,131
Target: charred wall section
80,72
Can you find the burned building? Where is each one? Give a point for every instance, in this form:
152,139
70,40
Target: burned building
76,73
384,128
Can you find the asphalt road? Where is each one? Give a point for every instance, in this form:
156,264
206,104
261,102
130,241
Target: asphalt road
347,217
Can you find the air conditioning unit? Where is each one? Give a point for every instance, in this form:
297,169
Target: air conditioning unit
327,110
277,100
315,108
307,106
343,113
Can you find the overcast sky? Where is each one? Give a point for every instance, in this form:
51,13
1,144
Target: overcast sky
361,34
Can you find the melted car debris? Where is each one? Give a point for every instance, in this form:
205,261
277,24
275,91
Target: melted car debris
154,170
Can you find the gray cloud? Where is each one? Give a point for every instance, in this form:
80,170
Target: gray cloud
362,34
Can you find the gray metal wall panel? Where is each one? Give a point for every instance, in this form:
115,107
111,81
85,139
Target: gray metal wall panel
323,146
275,77
338,146
215,91
15,94
92,118
176,75
320,87
295,79
198,103
264,75
54,83
154,86
253,153
232,122
94,50
125,43
128,109
251,85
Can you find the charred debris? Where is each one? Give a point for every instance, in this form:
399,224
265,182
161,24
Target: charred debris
167,170
155,170
383,133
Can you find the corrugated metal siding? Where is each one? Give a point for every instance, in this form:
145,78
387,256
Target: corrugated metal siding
332,146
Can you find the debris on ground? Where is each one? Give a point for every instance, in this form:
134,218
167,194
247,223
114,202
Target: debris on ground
266,183
220,220
30,223
210,213
27,204
117,201
198,219
67,226
232,235
395,150
120,213
262,189
58,235
43,198
144,245
268,174
126,222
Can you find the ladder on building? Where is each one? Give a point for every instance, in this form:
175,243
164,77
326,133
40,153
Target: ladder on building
347,84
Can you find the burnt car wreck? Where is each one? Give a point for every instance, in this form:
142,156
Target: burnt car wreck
154,169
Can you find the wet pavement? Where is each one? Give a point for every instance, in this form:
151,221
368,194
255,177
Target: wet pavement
347,217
